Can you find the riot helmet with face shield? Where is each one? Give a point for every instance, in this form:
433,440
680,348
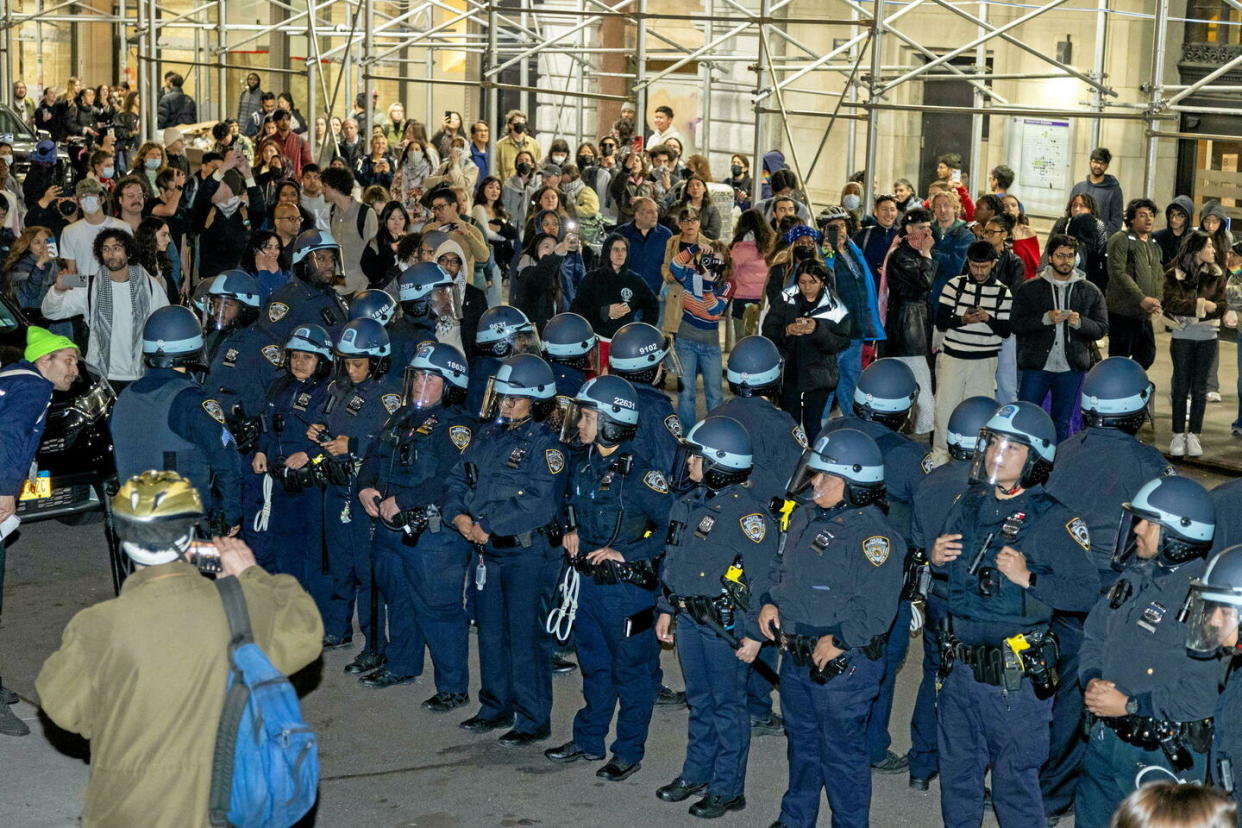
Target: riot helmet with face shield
885,393
426,291
432,361
642,354
1015,449
847,454
523,388
604,411
716,453
568,339
1180,518
364,339
373,304
313,341
1213,610
505,331
967,419
232,301
1115,394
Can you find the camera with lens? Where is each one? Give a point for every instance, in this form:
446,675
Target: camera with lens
205,557
712,263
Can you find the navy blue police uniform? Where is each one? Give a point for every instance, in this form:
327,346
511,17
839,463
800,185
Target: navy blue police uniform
298,302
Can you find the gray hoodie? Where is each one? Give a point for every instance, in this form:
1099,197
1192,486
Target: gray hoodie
1108,198
1061,293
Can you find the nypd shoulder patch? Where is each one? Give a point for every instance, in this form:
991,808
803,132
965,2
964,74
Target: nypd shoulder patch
876,548
799,434
391,402
673,425
273,354
214,410
754,526
929,462
555,460
460,436
277,311
655,481
1077,529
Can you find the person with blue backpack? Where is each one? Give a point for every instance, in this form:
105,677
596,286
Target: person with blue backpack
145,676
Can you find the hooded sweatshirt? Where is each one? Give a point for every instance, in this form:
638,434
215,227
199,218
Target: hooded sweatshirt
1222,239
773,160
1057,347
1166,238
1108,197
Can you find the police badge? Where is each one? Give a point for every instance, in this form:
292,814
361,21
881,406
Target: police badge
655,481
876,548
555,460
277,311
460,436
754,527
230,358
1077,529
799,434
391,402
215,410
273,354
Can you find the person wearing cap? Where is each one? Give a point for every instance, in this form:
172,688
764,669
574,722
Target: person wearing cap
50,363
973,314
1150,700
517,138
115,308
78,239
174,149
1013,555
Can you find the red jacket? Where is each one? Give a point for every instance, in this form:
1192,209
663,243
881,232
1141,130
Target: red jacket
295,148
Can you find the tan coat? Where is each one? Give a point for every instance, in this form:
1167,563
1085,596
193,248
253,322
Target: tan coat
143,676
506,154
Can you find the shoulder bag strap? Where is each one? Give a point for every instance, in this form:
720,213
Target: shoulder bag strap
235,699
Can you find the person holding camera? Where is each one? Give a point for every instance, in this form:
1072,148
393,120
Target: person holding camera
1012,555
1150,700
143,675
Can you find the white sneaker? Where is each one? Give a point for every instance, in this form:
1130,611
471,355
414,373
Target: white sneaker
1177,447
1193,447
1213,396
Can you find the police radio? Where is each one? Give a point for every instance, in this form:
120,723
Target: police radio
989,577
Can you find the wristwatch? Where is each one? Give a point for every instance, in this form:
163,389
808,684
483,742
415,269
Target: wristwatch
1132,706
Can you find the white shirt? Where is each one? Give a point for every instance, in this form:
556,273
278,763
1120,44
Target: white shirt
658,138
124,362
77,242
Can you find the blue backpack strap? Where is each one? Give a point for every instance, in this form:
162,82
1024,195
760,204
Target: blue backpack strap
235,700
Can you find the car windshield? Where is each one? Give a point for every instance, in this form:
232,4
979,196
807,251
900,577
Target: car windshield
10,124
8,322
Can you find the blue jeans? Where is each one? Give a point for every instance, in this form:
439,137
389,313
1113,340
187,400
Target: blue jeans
698,358
1066,387
1007,372
849,367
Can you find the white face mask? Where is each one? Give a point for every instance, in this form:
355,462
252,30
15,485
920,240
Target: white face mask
850,202
90,204
7,158
229,206
108,172
559,159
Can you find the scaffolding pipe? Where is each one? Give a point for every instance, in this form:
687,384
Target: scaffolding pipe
874,94
640,91
761,75
1157,78
1097,66
976,118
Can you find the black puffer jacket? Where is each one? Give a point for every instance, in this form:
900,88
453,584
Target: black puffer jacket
909,275
1036,338
810,359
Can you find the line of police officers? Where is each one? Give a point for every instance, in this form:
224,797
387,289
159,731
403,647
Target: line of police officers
386,492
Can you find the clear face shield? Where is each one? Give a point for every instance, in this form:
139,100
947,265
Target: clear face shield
687,467
422,388
444,303
499,407
588,362
222,313
672,363
1000,460
800,487
1210,624
526,342
579,423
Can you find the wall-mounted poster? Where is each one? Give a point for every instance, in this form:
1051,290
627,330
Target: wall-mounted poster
1040,151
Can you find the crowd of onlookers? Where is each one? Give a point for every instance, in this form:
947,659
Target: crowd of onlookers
958,286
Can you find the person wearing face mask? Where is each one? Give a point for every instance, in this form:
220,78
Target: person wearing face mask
520,187
558,153
851,200
78,239
103,169
229,206
739,180
517,140
799,246
457,169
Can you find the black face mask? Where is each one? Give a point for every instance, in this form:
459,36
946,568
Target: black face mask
523,169
585,161
736,169
802,253
519,127
607,149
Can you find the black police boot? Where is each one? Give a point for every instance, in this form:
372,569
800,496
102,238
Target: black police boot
7,696
561,665
444,702
517,739
918,783
713,806
667,697
617,770
891,763
478,724
335,642
679,790
10,725
778,824
383,677
569,752
365,662
770,725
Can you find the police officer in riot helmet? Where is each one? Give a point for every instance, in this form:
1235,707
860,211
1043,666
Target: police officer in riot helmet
420,559
720,547
753,372
360,399
642,354
503,331
1149,700
1012,555
429,304
504,499
310,297
883,400
933,498
243,359
286,453
616,517
1097,470
572,349
1213,623
830,609
167,421
380,306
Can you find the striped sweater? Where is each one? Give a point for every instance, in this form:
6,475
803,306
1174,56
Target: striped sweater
977,340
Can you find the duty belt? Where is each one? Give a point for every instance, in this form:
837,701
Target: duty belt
718,608
1150,733
800,647
1003,665
525,540
606,573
